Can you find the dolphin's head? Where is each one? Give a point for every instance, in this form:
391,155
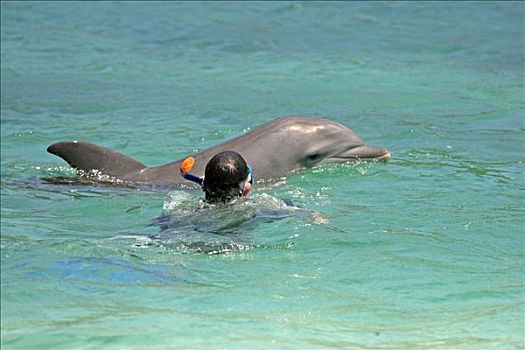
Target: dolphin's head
324,141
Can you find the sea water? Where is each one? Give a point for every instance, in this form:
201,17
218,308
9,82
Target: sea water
423,252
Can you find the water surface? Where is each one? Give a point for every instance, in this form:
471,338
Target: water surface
425,251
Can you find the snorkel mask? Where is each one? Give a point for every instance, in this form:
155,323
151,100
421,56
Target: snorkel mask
250,176
187,165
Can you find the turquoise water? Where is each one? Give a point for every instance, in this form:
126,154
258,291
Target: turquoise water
423,252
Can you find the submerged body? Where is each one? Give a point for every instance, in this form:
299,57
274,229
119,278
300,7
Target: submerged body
273,150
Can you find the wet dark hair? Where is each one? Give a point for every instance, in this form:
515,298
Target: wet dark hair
224,176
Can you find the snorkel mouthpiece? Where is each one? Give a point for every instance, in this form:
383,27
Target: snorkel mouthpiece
185,168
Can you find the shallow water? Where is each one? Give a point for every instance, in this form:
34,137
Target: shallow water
425,251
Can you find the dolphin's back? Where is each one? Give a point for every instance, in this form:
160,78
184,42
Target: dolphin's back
88,157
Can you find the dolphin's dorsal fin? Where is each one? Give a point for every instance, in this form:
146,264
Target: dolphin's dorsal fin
88,157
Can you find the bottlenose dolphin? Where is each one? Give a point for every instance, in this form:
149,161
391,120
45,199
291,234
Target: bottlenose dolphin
273,150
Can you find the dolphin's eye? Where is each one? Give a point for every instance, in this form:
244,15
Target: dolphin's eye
313,158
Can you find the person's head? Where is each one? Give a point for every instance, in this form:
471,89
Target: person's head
227,176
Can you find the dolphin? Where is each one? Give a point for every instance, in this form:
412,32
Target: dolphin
273,150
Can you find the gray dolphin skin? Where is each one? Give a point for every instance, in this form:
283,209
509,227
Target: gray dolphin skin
273,150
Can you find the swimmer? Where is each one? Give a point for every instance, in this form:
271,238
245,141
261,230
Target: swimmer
227,176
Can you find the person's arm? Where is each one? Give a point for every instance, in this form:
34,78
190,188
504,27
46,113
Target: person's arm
314,214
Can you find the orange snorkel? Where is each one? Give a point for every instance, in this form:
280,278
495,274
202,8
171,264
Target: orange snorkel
185,168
